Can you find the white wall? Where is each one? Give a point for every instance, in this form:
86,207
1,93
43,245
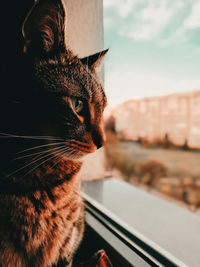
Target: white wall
84,26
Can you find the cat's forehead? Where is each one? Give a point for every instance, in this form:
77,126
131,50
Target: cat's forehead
71,79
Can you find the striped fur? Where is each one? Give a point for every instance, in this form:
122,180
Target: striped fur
44,226
43,136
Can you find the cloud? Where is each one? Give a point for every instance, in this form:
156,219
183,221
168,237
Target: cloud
193,20
159,21
143,32
152,19
123,8
108,22
197,51
173,24
190,23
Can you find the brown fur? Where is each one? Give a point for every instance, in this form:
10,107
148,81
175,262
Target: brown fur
42,141
45,225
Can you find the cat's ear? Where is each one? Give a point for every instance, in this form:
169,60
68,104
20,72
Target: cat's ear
95,60
44,27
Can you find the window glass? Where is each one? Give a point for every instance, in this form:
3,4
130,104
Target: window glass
152,80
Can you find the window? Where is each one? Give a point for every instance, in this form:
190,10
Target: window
153,142
148,211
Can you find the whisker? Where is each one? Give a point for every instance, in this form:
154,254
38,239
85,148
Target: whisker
57,151
51,157
69,153
67,150
68,141
35,147
61,157
42,137
39,153
30,163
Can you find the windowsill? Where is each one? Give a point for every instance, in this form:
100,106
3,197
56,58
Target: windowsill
155,228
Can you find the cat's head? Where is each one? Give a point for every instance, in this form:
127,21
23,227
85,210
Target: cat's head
62,95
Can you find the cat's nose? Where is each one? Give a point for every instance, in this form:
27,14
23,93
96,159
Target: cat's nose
98,137
100,144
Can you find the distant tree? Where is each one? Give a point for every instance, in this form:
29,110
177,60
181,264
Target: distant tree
151,171
185,145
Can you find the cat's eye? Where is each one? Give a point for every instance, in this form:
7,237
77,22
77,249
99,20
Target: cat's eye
77,104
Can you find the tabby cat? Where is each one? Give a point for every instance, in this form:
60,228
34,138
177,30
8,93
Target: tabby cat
48,122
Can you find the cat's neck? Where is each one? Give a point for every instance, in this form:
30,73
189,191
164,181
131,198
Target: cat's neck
44,178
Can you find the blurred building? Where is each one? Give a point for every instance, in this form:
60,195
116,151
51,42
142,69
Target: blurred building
175,117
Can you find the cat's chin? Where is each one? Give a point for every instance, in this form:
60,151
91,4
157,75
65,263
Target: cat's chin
77,156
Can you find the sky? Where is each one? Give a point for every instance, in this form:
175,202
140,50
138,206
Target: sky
154,48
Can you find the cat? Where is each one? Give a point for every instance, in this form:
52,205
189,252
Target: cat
49,121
